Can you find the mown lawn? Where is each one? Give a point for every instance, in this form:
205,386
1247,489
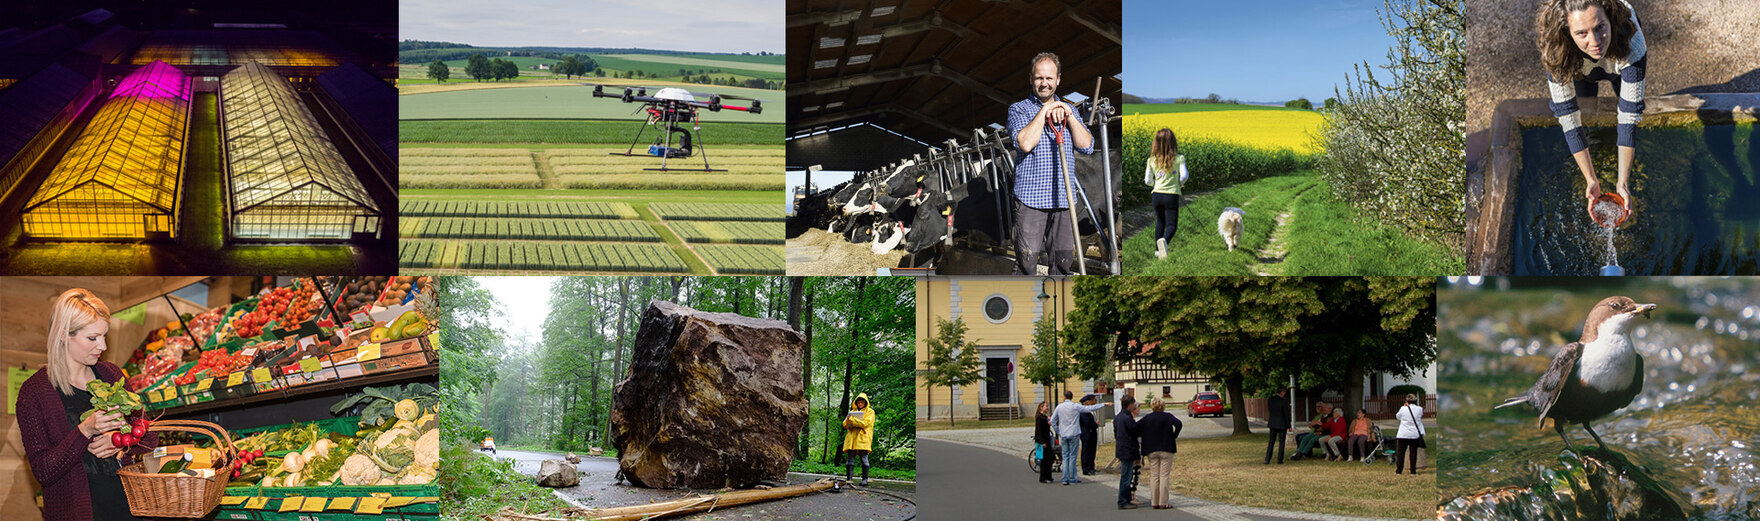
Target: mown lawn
1325,237
1231,470
552,131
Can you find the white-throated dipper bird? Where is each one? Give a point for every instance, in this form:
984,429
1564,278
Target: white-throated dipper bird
1594,376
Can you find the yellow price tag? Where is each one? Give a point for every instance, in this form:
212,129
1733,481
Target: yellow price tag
256,503
204,384
341,503
397,502
314,504
232,500
425,499
292,503
260,375
367,352
309,365
234,379
434,340
170,392
370,505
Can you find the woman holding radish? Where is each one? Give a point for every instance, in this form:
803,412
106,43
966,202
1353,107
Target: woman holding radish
75,455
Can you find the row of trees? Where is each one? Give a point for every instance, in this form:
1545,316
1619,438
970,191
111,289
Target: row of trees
1252,335
554,390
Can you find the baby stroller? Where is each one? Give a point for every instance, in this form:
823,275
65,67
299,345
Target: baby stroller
1383,448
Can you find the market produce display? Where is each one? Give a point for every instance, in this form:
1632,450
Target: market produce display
202,326
408,325
213,363
302,304
360,295
398,288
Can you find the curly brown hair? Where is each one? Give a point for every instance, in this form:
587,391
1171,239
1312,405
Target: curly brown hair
1559,53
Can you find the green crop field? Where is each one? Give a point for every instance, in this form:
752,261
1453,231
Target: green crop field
729,232
552,209
525,228
763,67
743,260
479,256
716,212
525,62
585,131
569,102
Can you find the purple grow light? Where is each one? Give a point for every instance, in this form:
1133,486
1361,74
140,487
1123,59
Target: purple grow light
155,80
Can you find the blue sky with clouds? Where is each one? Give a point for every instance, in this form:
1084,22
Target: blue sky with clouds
1272,50
682,25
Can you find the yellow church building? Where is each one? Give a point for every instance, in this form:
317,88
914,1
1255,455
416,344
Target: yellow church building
999,314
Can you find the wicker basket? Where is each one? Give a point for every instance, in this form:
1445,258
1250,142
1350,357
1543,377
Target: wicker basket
176,495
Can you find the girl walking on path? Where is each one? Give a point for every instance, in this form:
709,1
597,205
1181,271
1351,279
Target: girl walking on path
1159,173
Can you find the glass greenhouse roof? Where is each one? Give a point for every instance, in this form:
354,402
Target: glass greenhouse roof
287,179
277,48
125,165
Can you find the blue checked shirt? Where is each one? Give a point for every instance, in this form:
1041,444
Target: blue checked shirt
1036,180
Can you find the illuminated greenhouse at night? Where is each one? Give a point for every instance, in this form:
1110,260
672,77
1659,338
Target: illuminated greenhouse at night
286,179
120,179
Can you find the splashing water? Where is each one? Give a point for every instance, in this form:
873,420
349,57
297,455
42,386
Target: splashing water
1607,213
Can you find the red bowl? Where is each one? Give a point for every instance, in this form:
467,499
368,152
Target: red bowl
1615,199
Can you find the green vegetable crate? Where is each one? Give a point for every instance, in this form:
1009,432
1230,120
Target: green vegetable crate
226,318
347,425
424,511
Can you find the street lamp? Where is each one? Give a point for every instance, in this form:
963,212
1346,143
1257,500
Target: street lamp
1057,361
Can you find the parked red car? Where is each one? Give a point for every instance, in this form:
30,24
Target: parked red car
1205,402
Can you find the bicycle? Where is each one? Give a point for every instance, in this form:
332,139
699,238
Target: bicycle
1033,458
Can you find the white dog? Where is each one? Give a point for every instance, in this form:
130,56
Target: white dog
1230,227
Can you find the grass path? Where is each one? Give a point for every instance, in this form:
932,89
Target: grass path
1294,227
541,158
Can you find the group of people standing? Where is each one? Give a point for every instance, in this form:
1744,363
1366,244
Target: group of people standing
1149,441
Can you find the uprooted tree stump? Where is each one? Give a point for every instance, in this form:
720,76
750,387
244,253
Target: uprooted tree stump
712,400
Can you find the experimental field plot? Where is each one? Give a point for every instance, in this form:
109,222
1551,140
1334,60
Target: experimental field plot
503,256
746,169
744,260
467,168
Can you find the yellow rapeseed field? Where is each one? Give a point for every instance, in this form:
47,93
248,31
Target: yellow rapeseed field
1267,129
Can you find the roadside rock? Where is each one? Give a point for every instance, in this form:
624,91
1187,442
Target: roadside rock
555,473
712,400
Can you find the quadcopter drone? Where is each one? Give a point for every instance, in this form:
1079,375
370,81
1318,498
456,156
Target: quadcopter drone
668,109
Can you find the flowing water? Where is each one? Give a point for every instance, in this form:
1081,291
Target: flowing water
1608,213
1696,206
1683,449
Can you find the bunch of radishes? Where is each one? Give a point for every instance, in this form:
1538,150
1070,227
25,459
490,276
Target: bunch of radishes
136,431
244,458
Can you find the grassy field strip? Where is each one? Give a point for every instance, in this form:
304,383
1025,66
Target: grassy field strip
558,256
718,212
673,181
1196,249
549,131
1332,238
407,153
743,260
568,100
682,249
525,228
696,61
1323,237
776,153
546,171
729,232
554,209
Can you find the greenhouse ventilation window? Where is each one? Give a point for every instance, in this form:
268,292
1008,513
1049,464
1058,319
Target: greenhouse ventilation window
287,180
120,178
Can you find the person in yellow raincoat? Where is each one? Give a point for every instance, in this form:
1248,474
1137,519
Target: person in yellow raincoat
858,437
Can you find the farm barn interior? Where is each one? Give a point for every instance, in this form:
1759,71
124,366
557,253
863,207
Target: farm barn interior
871,88
159,138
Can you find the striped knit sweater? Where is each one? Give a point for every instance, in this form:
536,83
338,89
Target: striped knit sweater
1626,74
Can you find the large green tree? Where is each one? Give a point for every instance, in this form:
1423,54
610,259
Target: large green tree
478,68
438,71
1048,365
469,349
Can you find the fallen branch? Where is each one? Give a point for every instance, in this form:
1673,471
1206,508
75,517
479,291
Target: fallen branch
675,507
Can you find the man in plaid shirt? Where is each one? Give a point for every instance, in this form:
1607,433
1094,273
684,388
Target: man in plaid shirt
1041,202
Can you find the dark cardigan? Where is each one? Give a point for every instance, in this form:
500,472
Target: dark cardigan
55,447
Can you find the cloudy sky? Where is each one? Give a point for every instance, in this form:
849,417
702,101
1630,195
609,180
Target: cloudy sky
1276,50
682,25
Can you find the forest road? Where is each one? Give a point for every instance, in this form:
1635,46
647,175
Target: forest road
599,489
